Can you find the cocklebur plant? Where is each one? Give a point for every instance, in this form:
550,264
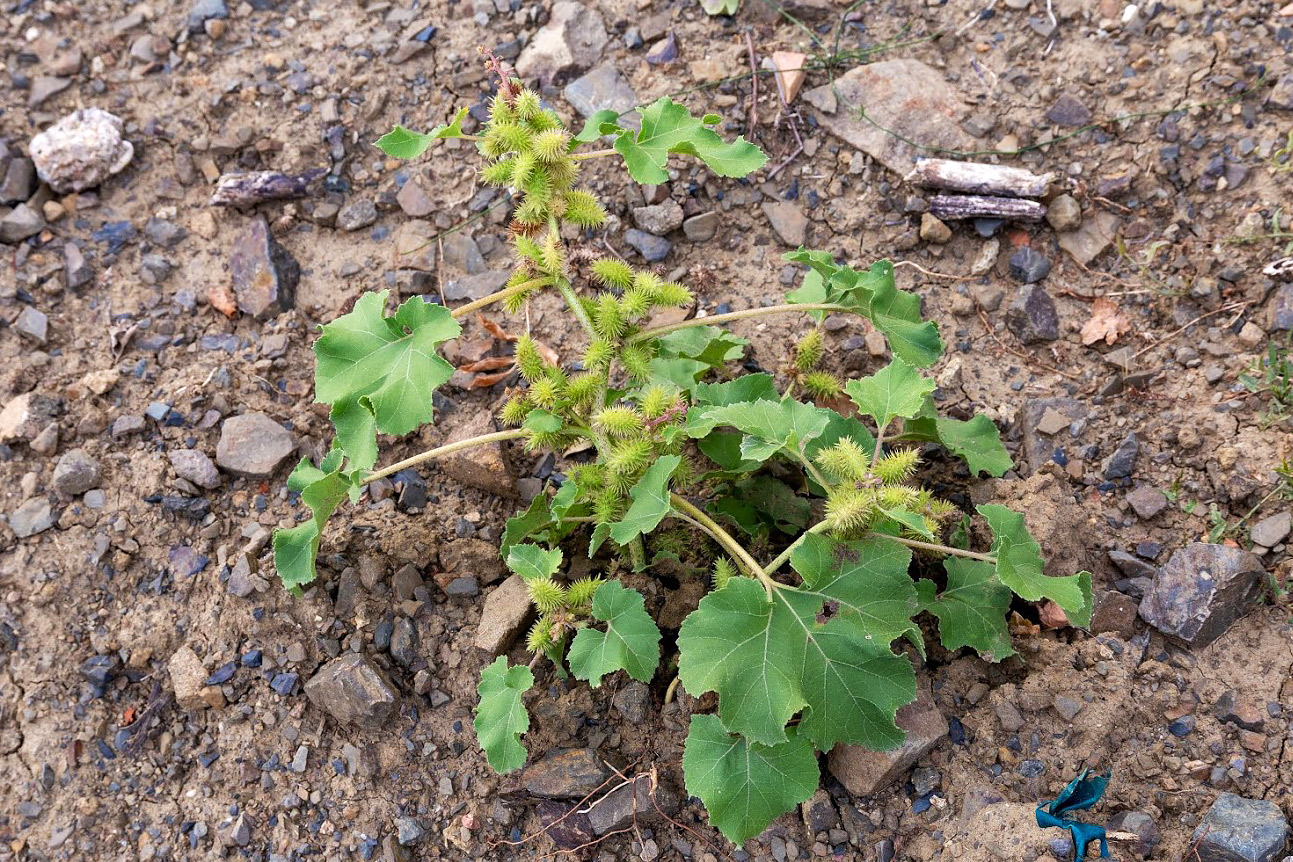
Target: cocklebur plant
802,649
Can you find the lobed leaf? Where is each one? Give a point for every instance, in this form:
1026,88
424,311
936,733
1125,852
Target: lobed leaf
1019,567
532,562
593,128
744,785
296,549
971,610
668,127
500,716
650,504
400,143
630,643
976,440
896,391
769,426
378,372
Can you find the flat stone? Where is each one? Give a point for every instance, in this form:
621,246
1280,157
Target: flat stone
1270,531
203,11
81,150
788,220
1113,612
1032,316
477,286
571,773
194,466
1147,501
32,323
1067,706
356,215
75,473
414,199
1201,591
188,679
701,228
902,99
26,415
484,467
506,611
19,181
1086,243
573,38
603,89
1236,829
1069,112
632,802
1235,708
463,557
1281,95
264,274
863,772
353,691
652,248
1139,824
253,445
32,517
20,224
659,219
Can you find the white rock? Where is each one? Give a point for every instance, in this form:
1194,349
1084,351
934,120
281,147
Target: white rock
81,150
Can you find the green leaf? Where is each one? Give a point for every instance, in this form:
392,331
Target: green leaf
680,373
400,143
747,387
500,716
1019,567
297,548
769,426
724,449
668,127
524,525
721,7
542,422
777,502
811,291
708,344
744,785
532,562
976,440
593,129
972,609
630,643
386,366
895,391
823,649
650,501
875,295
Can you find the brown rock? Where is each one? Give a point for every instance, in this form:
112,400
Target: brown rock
188,679
472,557
26,415
1113,612
484,467
863,772
566,774
506,611
352,690
253,445
265,275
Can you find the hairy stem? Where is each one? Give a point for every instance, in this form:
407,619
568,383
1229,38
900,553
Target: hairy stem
771,568
595,154
637,553
731,545
734,315
817,475
938,549
441,451
497,297
576,307
879,447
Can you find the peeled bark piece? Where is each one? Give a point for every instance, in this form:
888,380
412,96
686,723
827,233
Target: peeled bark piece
979,179
248,188
958,207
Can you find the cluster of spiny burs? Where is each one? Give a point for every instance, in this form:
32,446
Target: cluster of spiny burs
530,154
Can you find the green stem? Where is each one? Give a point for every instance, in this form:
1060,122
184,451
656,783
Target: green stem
734,315
938,549
441,451
771,568
637,553
595,154
498,297
879,447
576,307
725,539
817,475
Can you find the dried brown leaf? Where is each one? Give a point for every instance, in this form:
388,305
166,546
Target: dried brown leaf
1107,322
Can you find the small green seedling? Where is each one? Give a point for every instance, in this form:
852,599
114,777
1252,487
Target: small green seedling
798,644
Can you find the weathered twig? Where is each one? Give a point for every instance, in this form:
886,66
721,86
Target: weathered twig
248,188
979,179
953,207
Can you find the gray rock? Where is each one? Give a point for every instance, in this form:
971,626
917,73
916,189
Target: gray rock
1141,825
409,831
1236,829
356,215
659,219
573,38
414,199
788,220
571,773
505,613
19,181
46,87
477,286
632,802
32,323
194,466
463,587
75,473
1067,706
1068,111
203,11
253,445
701,228
243,578
863,772
165,233
75,269
1031,315
1120,464
1038,446
1028,266
1281,95
1147,501
1064,213
353,691
632,702
1269,532
404,642
1281,308
1201,591
264,274
81,150
405,582
602,89
905,97
32,517
21,223
1132,566
652,248
484,467
1096,234
463,557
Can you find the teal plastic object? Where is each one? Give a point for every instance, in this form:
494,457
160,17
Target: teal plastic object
1082,792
